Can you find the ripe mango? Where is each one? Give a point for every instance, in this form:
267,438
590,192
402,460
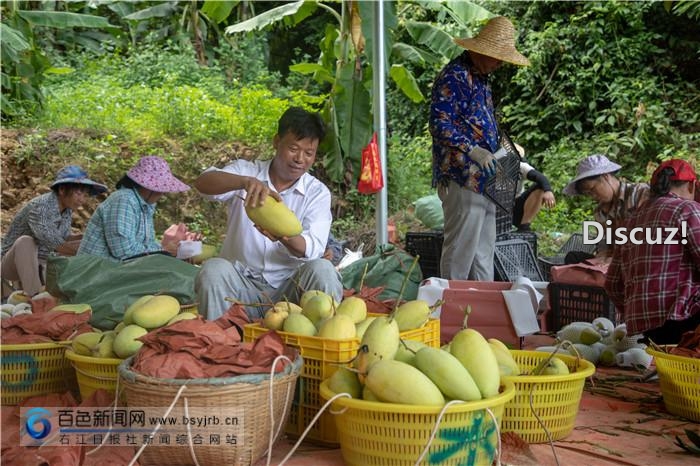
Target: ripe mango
274,319
407,351
275,217
354,307
105,348
126,343
412,314
345,381
84,343
475,354
287,307
318,308
338,327
450,376
380,342
182,316
77,308
506,363
397,382
361,327
156,312
127,319
299,324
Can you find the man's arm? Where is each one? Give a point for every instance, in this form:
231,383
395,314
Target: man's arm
218,182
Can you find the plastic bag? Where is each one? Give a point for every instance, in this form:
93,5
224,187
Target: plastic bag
371,178
350,257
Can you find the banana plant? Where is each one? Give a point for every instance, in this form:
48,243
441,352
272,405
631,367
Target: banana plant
24,64
345,59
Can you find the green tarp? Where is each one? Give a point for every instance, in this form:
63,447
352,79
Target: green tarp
109,287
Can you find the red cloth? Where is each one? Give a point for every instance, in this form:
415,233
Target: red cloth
44,327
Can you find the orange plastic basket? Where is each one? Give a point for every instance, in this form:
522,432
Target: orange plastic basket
389,434
322,357
33,369
555,398
94,373
679,378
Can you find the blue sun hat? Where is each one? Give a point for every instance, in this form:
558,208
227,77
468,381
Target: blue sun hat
593,165
75,175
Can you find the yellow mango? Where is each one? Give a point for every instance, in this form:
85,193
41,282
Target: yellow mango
77,308
475,354
412,314
126,344
127,319
156,312
85,343
354,307
345,381
397,382
275,217
450,376
338,327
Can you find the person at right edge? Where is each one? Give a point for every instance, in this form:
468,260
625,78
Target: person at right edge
657,286
465,136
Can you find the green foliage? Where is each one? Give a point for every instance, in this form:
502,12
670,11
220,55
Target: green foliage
409,171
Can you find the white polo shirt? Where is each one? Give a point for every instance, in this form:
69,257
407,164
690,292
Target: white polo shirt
259,257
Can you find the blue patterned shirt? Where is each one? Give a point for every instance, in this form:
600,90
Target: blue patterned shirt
121,227
41,219
462,116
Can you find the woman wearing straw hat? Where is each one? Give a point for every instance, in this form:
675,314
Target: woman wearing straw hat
616,199
122,226
43,226
655,280
465,137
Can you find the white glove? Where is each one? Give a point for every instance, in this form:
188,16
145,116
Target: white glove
485,159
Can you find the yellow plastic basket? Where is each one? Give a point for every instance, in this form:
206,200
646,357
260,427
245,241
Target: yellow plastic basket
555,398
94,373
679,378
33,369
388,434
322,357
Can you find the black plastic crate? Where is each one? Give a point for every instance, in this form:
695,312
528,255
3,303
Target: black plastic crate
579,303
529,236
428,247
513,259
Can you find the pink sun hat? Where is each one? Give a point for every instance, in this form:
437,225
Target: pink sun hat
153,173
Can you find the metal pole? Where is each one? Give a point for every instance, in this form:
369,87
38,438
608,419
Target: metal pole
379,100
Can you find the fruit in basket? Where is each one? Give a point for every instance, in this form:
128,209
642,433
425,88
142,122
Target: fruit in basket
412,314
555,366
287,307
397,382
367,395
379,342
77,308
604,325
447,373
407,351
353,307
318,308
119,327
274,319
345,381
299,324
361,327
156,311
127,319
474,352
506,363
85,343
105,347
275,217
126,343
17,297
338,327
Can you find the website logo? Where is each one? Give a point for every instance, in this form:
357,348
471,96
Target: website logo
38,425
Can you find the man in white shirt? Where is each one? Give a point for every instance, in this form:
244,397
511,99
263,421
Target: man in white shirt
254,266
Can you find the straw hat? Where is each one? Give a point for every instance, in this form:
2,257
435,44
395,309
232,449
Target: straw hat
593,165
496,40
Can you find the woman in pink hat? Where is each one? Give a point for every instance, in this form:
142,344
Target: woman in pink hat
654,278
122,226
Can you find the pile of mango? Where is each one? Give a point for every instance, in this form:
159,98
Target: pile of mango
147,313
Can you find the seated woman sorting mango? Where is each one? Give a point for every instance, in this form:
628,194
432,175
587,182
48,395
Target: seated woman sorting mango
122,226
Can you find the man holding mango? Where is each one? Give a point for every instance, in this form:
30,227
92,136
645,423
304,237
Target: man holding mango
271,257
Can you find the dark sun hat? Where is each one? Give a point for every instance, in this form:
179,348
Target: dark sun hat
73,174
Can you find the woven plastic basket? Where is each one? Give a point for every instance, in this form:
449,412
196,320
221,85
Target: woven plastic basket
555,398
679,378
246,395
388,434
94,373
34,369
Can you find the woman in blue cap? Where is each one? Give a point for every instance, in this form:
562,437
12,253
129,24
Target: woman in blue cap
43,227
